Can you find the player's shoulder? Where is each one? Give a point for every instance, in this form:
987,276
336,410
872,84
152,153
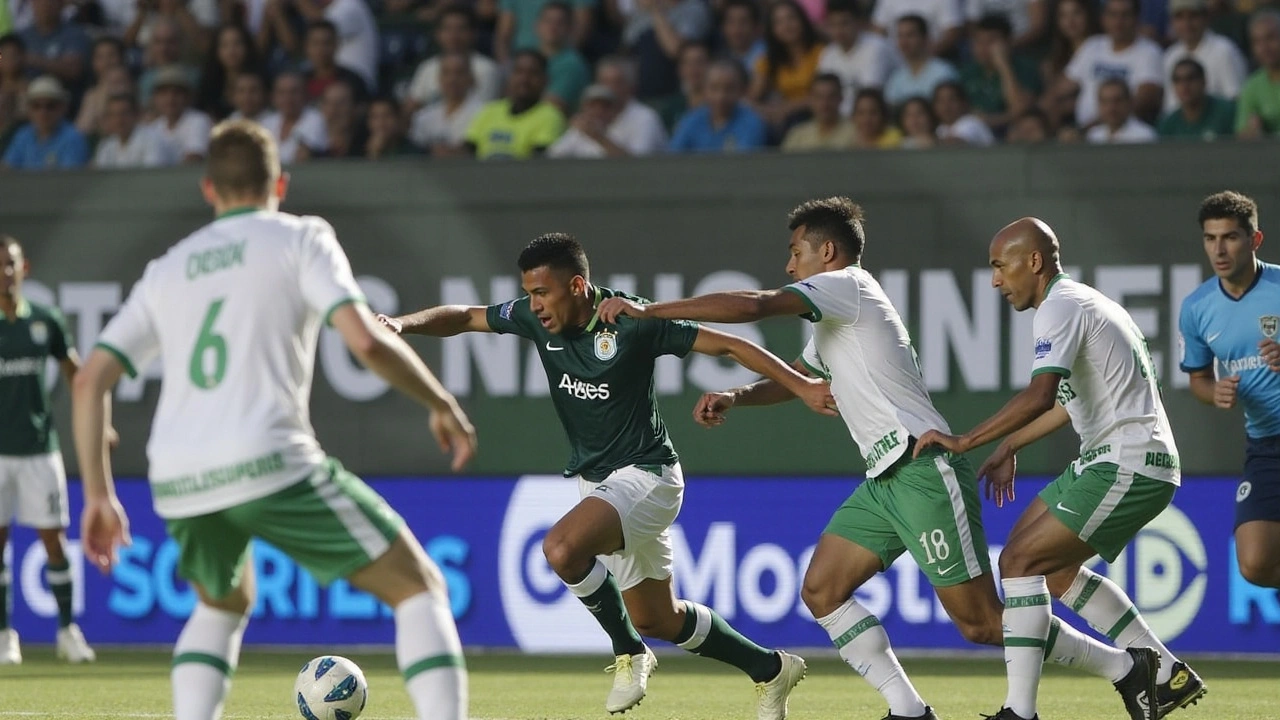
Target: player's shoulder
512,309
1269,276
606,293
850,276
41,311
1205,294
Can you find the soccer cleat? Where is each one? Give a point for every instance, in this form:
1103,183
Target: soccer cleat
774,693
1138,688
1009,714
630,680
1184,688
72,646
928,715
10,653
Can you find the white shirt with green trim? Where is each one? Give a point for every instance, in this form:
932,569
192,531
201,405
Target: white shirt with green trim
860,343
233,312
1109,386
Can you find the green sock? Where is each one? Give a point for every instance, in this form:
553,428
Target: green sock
599,592
707,634
59,579
5,607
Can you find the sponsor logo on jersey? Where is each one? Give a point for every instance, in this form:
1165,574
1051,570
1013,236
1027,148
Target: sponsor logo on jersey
1253,362
1162,460
1043,346
1269,324
584,390
505,311
21,366
606,344
39,332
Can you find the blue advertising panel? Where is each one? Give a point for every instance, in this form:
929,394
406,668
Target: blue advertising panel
740,546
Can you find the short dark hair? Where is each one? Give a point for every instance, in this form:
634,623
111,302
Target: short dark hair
832,78
954,85
1231,205
243,160
752,8
15,40
559,5
1135,4
388,100
461,11
1116,82
847,7
114,42
537,56
921,24
996,23
837,219
125,97
326,25
555,250
1189,62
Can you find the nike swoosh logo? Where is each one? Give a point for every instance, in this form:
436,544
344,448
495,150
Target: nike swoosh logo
1066,509
944,571
553,349
1212,337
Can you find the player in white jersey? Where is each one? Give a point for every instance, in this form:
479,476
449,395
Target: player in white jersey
233,313
926,505
1091,369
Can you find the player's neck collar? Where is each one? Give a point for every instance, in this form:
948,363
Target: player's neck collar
595,304
1054,281
21,309
1257,277
244,210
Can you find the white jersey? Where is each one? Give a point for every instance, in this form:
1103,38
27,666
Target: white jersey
233,312
860,344
1109,387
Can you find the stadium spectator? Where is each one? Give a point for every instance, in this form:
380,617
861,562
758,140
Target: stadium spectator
654,33
342,119
146,15
859,57
1116,123
48,141
741,33
115,81
277,34
780,87
638,124
567,73
1000,83
1119,53
918,123
1258,109
591,131
957,125
828,130
55,46
518,22
724,123
1198,114
455,34
521,125
1223,63
164,50
872,125
356,29
691,66
13,85
322,65
298,128
441,127
920,72
1028,128
1074,22
233,54
126,143
1028,20
1227,20
386,131
183,126
249,98
943,27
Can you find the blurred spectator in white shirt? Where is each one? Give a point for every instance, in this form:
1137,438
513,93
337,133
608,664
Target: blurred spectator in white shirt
299,130
185,128
638,122
920,71
441,127
601,129
163,50
1116,123
1120,53
455,33
942,18
106,61
956,124
859,57
1223,63
249,97
126,144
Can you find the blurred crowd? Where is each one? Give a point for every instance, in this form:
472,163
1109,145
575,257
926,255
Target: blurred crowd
140,83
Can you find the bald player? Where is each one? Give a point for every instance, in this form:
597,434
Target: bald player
1092,369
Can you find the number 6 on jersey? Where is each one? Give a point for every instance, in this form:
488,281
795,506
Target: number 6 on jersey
208,341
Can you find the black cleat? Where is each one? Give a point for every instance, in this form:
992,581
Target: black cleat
928,715
1009,714
1185,688
1138,688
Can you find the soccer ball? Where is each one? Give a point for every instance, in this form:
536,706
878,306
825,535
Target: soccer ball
330,688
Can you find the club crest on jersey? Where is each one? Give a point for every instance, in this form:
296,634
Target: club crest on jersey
39,332
606,344
1270,324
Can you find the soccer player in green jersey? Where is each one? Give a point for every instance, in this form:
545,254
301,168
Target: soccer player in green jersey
33,484
613,549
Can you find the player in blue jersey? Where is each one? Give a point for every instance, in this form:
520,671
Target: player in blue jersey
1227,332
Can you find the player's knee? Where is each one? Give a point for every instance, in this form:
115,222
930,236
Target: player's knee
564,557
1259,569
821,599
981,632
1015,564
661,625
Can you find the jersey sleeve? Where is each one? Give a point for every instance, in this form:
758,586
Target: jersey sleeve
813,361
512,317
1193,352
60,342
670,337
1059,330
830,296
131,335
327,282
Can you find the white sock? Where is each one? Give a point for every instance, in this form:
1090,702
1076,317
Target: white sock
864,644
1026,627
204,659
429,655
1071,648
1110,611
591,583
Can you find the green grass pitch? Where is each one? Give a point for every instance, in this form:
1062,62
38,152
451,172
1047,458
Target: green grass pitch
135,684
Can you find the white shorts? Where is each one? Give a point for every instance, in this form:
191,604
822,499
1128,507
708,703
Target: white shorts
33,491
647,504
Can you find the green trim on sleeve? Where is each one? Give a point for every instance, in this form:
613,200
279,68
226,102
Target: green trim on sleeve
1065,373
328,315
120,356
814,313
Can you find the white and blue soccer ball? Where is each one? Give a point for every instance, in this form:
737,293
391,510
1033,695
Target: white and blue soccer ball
331,688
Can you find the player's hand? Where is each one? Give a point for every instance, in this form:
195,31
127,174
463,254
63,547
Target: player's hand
933,438
711,407
817,395
999,471
615,307
455,434
1224,392
396,326
112,437
104,527
1271,353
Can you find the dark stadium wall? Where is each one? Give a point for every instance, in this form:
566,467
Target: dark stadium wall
422,233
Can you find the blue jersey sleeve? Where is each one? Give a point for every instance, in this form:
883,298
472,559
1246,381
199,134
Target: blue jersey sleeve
1194,352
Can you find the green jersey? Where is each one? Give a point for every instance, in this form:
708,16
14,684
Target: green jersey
601,380
26,344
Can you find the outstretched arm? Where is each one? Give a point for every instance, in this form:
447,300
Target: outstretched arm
815,393
740,306
440,321
711,407
1036,400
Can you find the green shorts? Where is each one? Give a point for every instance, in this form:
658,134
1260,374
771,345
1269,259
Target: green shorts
1105,507
928,506
330,523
